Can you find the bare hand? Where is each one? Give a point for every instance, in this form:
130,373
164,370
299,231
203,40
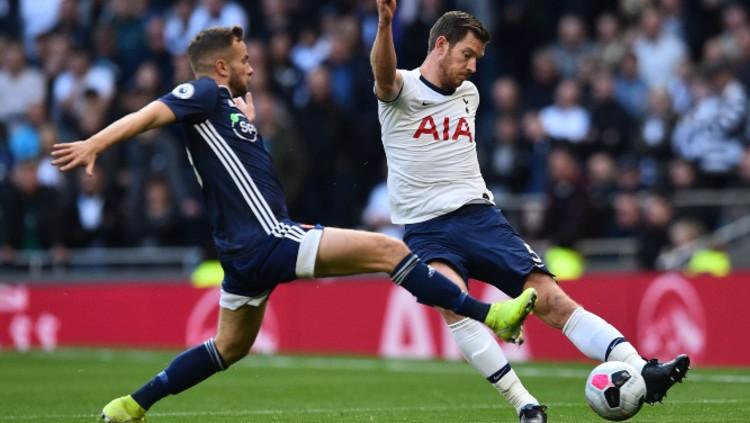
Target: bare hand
386,10
74,154
246,106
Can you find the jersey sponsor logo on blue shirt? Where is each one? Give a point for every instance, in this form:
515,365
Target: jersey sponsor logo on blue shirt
242,128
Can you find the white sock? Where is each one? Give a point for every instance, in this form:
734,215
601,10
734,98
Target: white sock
624,351
599,340
484,354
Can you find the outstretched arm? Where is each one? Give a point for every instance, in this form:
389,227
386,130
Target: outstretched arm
83,153
383,55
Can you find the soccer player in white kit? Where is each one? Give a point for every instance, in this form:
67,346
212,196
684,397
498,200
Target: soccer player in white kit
436,190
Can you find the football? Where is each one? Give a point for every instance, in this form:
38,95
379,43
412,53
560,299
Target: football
615,390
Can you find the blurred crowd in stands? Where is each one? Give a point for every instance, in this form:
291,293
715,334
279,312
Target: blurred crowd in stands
605,108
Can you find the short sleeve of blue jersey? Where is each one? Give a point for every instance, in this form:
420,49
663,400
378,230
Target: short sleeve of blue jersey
193,101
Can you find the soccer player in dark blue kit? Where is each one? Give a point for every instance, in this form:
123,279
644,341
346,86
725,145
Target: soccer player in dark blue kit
258,245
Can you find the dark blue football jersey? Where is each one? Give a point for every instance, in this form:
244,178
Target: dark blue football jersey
244,199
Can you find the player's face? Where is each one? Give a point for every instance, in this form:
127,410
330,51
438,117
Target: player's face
240,70
460,60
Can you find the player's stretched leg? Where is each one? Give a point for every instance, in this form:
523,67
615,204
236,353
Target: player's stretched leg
236,333
601,341
347,252
481,350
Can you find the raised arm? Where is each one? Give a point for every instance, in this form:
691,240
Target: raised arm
388,82
83,153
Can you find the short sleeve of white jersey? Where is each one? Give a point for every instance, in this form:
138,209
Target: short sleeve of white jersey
405,92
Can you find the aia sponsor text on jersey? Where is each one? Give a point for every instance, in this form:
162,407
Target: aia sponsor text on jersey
446,131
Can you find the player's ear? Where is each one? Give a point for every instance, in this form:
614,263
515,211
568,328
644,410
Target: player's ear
221,67
441,44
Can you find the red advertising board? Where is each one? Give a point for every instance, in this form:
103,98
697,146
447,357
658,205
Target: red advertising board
662,314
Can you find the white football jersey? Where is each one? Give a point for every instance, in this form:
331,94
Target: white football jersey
430,145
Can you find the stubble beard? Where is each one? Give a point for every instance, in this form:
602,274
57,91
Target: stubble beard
237,87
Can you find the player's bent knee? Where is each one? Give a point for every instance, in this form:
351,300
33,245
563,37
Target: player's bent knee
233,349
391,251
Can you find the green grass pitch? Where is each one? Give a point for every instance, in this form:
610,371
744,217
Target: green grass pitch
72,385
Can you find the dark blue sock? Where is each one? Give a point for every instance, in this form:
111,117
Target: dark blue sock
432,288
186,370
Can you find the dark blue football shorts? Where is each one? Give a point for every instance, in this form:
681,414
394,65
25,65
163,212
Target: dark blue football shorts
478,242
276,260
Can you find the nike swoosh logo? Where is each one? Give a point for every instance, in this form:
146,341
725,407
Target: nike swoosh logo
424,103
466,101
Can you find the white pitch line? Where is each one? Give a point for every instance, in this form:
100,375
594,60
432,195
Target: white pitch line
370,364
354,410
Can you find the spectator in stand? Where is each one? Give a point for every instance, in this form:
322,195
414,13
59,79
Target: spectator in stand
349,70
105,54
24,137
506,98
156,52
285,77
627,216
128,26
659,53
38,17
416,26
326,132
310,50
506,101
683,178
211,13
611,126
47,174
733,20
157,222
70,23
602,188
567,200
534,134
566,120
544,78
54,53
507,166
10,24
629,174
80,83
673,19
653,235
20,82
743,61
91,216
653,141
177,33
284,143
630,90
610,47
712,133
377,213
30,215
743,172
572,47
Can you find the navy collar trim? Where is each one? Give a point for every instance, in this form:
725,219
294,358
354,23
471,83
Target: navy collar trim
435,88
226,90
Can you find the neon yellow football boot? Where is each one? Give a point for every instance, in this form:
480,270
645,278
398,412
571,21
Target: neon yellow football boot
123,410
506,318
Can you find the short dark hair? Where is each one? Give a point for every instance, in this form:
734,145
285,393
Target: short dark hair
454,26
208,42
